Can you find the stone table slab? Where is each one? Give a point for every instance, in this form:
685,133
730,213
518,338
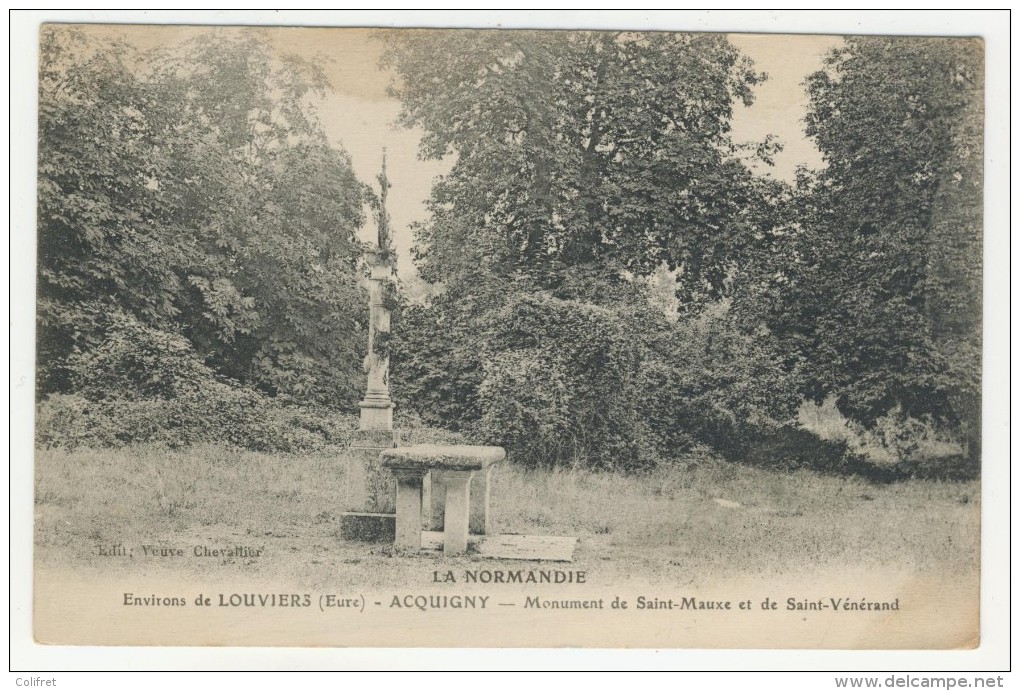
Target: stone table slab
460,479
439,457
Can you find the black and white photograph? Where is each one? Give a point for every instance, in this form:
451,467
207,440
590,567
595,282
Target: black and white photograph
397,337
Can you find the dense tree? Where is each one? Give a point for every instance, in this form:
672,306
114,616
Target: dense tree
871,278
578,154
587,161
194,190
584,164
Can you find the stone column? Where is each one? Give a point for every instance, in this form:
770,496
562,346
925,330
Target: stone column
369,485
455,528
376,407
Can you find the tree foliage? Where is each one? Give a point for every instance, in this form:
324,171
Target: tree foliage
871,277
143,385
583,163
194,189
610,281
599,153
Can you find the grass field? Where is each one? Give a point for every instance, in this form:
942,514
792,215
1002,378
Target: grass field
686,524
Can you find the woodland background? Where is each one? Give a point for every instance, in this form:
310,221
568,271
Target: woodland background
612,282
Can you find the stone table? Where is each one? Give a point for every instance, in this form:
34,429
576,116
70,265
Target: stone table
467,494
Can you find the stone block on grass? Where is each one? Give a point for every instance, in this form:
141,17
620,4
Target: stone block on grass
368,527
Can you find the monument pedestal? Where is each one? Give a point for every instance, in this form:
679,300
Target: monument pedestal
369,485
369,506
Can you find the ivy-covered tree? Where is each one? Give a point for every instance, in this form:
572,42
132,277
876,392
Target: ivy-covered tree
193,189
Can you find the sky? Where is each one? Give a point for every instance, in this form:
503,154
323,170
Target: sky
359,114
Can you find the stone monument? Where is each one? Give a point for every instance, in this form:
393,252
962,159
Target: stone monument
370,489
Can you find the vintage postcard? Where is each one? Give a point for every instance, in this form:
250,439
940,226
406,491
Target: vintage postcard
474,338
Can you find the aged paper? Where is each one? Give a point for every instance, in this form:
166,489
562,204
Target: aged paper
212,546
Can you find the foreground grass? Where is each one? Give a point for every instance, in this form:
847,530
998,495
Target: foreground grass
714,518
687,523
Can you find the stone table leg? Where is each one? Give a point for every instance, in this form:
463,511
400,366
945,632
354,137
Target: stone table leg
427,490
408,533
434,512
455,523
479,521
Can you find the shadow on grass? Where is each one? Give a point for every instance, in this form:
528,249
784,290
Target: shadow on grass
792,449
